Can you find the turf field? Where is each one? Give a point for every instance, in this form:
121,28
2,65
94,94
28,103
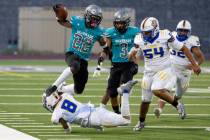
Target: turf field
21,109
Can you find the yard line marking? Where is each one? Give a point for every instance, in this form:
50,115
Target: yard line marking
8,120
24,123
131,114
15,74
66,135
10,115
39,104
13,118
46,132
2,111
37,126
190,90
158,126
12,134
41,129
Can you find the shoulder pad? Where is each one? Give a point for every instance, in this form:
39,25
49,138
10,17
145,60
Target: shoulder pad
194,40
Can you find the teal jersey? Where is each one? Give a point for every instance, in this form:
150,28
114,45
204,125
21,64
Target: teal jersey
121,43
82,39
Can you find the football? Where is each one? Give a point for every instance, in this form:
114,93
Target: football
60,11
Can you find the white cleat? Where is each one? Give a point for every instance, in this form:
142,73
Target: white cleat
181,110
139,126
157,112
60,87
126,88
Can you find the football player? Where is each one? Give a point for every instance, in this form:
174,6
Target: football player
120,40
180,64
85,32
158,78
65,108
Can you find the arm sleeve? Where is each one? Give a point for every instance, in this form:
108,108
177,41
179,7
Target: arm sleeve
56,116
174,43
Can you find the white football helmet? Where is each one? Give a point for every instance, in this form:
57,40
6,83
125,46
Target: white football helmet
185,27
49,102
149,24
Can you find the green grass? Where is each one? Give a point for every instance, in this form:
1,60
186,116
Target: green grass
12,102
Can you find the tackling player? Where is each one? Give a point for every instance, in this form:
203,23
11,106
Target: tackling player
67,109
180,64
120,40
85,32
158,78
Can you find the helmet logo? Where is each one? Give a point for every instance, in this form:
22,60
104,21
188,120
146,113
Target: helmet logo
154,23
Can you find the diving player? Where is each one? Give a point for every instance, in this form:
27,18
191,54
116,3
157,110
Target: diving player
65,109
85,32
120,40
180,64
158,78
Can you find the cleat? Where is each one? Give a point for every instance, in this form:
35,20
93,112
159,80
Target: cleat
126,88
139,126
50,90
157,112
181,110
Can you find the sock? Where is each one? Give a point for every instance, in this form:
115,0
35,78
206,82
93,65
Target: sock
68,89
116,109
141,119
125,108
174,103
64,75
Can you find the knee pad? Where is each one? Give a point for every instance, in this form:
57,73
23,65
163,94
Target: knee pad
79,89
113,93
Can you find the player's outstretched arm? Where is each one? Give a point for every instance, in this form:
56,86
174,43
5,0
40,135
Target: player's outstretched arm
65,125
198,55
61,15
133,55
188,54
106,51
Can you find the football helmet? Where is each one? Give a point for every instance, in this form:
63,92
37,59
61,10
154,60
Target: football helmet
121,20
149,28
93,16
183,30
49,102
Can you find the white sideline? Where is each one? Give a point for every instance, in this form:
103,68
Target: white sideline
7,133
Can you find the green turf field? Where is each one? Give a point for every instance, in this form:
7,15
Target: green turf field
20,108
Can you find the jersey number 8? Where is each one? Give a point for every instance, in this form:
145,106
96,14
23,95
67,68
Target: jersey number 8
69,106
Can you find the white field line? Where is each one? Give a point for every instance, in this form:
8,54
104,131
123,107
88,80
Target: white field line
14,118
8,120
70,135
8,116
23,123
190,90
39,104
2,111
42,129
76,126
134,114
7,133
89,96
38,132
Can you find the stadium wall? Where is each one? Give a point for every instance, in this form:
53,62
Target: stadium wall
169,12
